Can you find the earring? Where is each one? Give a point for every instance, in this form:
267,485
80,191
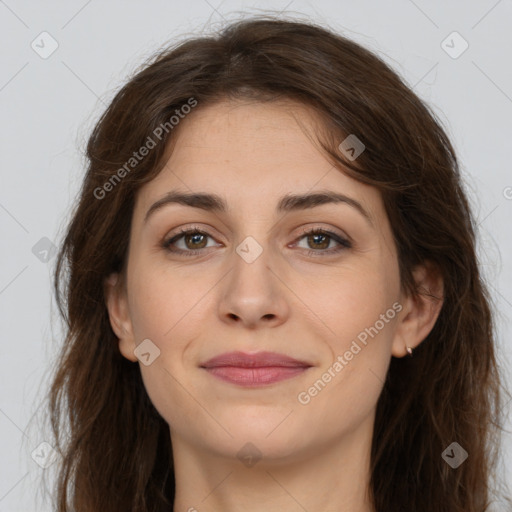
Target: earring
409,350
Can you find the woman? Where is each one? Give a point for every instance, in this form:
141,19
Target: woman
271,290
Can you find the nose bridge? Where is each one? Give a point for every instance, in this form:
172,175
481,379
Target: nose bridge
252,292
254,249
251,268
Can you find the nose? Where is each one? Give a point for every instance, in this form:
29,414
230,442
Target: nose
253,294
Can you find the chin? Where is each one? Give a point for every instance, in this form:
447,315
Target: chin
271,435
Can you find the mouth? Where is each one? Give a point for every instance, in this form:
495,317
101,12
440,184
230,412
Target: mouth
253,370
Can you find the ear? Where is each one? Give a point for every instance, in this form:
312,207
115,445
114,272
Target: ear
420,313
117,305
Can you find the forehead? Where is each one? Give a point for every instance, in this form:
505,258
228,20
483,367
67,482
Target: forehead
249,153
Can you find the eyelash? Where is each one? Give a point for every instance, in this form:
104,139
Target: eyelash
343,242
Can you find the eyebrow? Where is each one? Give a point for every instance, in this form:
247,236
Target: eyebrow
287,203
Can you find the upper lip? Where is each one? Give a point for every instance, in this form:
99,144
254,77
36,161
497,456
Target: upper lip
254,360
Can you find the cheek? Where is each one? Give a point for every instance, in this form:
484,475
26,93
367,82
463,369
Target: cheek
168,311
354,311
361,322
347,302
164,304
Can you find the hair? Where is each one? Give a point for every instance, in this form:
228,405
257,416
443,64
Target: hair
115,448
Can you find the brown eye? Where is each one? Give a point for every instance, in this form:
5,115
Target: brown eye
196,240
319,240
193,242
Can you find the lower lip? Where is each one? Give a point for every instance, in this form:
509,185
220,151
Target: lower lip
255,376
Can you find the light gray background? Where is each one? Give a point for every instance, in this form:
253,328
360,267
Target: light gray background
48,107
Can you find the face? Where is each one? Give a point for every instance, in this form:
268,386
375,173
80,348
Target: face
251,277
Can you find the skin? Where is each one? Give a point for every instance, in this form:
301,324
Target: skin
310,307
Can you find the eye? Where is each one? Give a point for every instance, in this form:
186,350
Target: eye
194,241
321,239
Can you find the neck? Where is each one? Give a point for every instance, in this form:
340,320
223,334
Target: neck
333,477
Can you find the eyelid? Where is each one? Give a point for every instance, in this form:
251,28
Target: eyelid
207,230
303,231
184,230
334,231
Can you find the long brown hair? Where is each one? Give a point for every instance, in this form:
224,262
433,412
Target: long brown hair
115,448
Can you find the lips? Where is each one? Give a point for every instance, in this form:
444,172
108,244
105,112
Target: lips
257,360
256,369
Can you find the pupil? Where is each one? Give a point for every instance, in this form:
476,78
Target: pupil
194,238
314,237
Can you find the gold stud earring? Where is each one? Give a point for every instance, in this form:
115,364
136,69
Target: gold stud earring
409,350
